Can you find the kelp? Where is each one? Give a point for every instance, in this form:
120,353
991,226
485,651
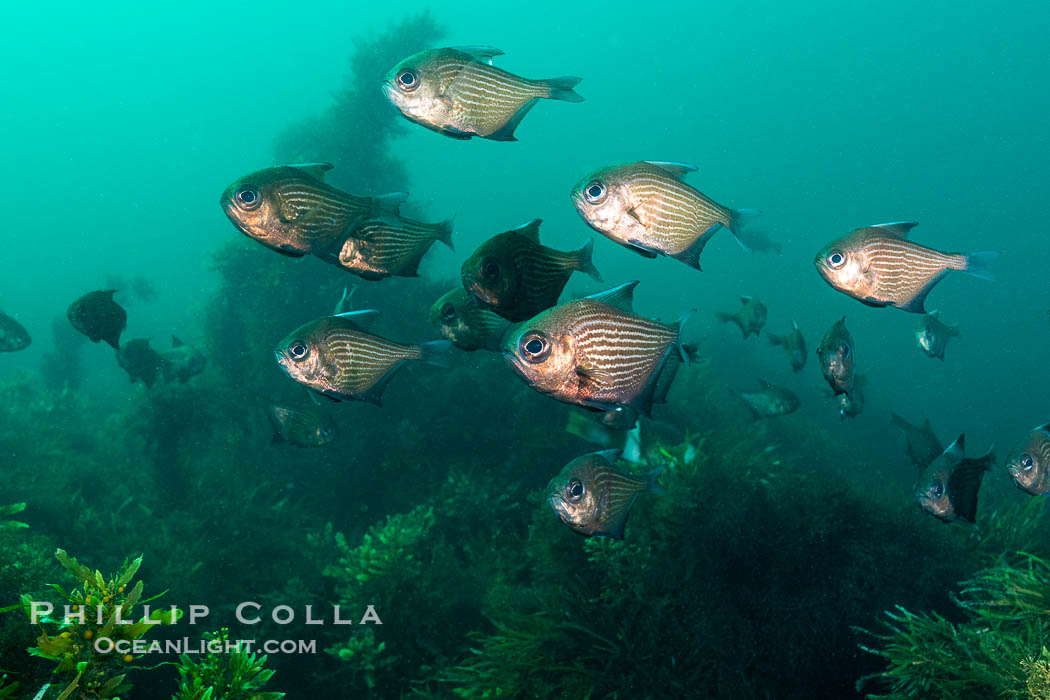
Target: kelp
233,674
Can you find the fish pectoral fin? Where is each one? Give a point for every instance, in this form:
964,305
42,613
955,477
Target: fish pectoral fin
592,376
636,214
506,132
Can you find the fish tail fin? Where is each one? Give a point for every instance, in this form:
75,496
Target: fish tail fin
444,232
585,261
390,203
436,353
979,264
898,421
689,351
562,89
725,317
738,219
775,339
587,429
652,481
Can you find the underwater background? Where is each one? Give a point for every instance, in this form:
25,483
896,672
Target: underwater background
752,576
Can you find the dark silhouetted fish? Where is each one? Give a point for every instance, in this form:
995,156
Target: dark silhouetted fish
879,266
390,246
836,356
648,208
182,362
291,210
459,93
469,326
759,242
140,361
795,345
517,277
932,335
13,335
98,317
770,401
749,318
301,426
596,352
948,487
336,357
923,445
593,497
1029,464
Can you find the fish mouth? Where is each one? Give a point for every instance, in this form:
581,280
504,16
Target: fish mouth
477,293
558,506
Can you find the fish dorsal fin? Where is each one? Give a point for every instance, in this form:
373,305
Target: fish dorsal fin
175,342
484,54
678,170
314,169
899,229
609,456
363,318
956,451
530,230
621,297
745,300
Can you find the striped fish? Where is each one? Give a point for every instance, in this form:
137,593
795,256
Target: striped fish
459,93
337,357
596,352
13,335
467,325
749,318
390,245
836,356
1029,465
517,277
648,208
593,497
302,426
290,209
948,487
878,266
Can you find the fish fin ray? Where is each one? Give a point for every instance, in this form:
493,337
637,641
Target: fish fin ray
506,132
437,353
585,261
563,88
482,54
979,264
530,230
363,318
675,169
900,229
621,297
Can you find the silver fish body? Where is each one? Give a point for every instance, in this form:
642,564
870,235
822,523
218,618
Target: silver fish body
947,488
1029,463
390,246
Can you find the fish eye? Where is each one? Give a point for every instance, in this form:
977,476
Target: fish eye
490,269
248,198
595,192
326,431
298,350
836,259
407,80
448,312
845,352
1027,462
938,489
535,347
574,491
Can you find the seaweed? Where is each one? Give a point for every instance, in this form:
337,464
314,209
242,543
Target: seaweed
224,673
6,511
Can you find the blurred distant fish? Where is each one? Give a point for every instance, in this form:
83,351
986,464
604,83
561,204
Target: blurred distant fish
836,356
594,497
182,362
795,345
932,335
291,210
98,317
459,93
336,357
749,318
390,246
948,487
302,426
923,445
644,444
648,208
140,361
469,326
770,401
596,352
13,335
878,266
1029,463
345,302
517,277
759,242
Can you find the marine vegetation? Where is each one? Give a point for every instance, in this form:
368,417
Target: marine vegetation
224,675
6,511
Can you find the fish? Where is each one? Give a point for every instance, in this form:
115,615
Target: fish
182,362
879,266
851,404
759,242
648,208
932,335
836,356
301,426
141,362
338,358
770,401
749,318
947,488
593,497
98,317
922,443
795,345
345,302
467,325
291,210
457,92
516,276
596,352
1029,463
390,246
644,444
13,335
